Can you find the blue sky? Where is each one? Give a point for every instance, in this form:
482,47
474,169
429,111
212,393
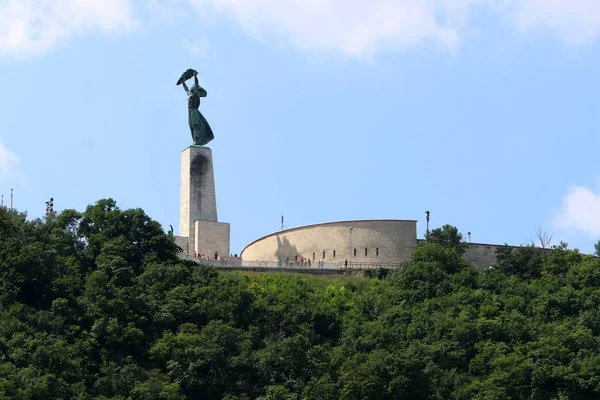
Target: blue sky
484,112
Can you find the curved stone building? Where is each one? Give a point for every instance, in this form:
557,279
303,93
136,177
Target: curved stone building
365,241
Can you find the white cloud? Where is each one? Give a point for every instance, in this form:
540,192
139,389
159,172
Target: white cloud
576,22
352,27
580,211
356,28
33,26
8,164
360,28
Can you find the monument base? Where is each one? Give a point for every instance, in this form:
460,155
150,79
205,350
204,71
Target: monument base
183,243
199,229
198,200
211,237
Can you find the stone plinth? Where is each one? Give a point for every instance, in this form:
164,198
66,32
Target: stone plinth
211,237
198,203
182,242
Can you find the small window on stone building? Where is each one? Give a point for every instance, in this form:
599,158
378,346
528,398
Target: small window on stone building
354,252
334,254
313,256
323,254
377,252
365,252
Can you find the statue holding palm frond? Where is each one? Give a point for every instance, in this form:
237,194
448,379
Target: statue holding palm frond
201,132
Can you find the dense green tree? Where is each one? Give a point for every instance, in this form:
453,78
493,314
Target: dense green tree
525,262
447,236
97,305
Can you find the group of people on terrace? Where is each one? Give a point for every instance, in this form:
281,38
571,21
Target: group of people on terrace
300,262
215,257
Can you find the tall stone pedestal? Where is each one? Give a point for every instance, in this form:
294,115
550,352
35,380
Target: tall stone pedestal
198,220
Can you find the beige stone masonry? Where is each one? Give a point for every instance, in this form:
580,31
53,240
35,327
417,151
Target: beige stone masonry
198,220
374,241
211,237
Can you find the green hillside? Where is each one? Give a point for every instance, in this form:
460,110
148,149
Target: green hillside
96,305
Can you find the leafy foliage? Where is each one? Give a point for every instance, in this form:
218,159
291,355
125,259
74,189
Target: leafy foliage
447,236
96,305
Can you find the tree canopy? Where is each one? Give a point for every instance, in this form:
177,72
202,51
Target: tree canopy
447,236
97,305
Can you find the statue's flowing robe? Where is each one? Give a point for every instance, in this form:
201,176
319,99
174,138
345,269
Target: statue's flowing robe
201,131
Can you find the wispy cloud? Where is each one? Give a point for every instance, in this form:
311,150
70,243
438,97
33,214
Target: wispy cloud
9,163
580,211
355,28
33,26
197,47
359,28
352,27
169,11
576,22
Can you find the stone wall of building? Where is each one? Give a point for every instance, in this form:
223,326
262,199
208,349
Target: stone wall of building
366,241
385,242
481,255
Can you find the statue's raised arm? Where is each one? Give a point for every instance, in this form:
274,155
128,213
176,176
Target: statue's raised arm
201,132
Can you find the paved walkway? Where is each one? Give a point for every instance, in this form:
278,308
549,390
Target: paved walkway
292,266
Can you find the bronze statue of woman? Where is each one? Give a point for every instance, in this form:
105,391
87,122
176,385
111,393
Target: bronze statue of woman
201,132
